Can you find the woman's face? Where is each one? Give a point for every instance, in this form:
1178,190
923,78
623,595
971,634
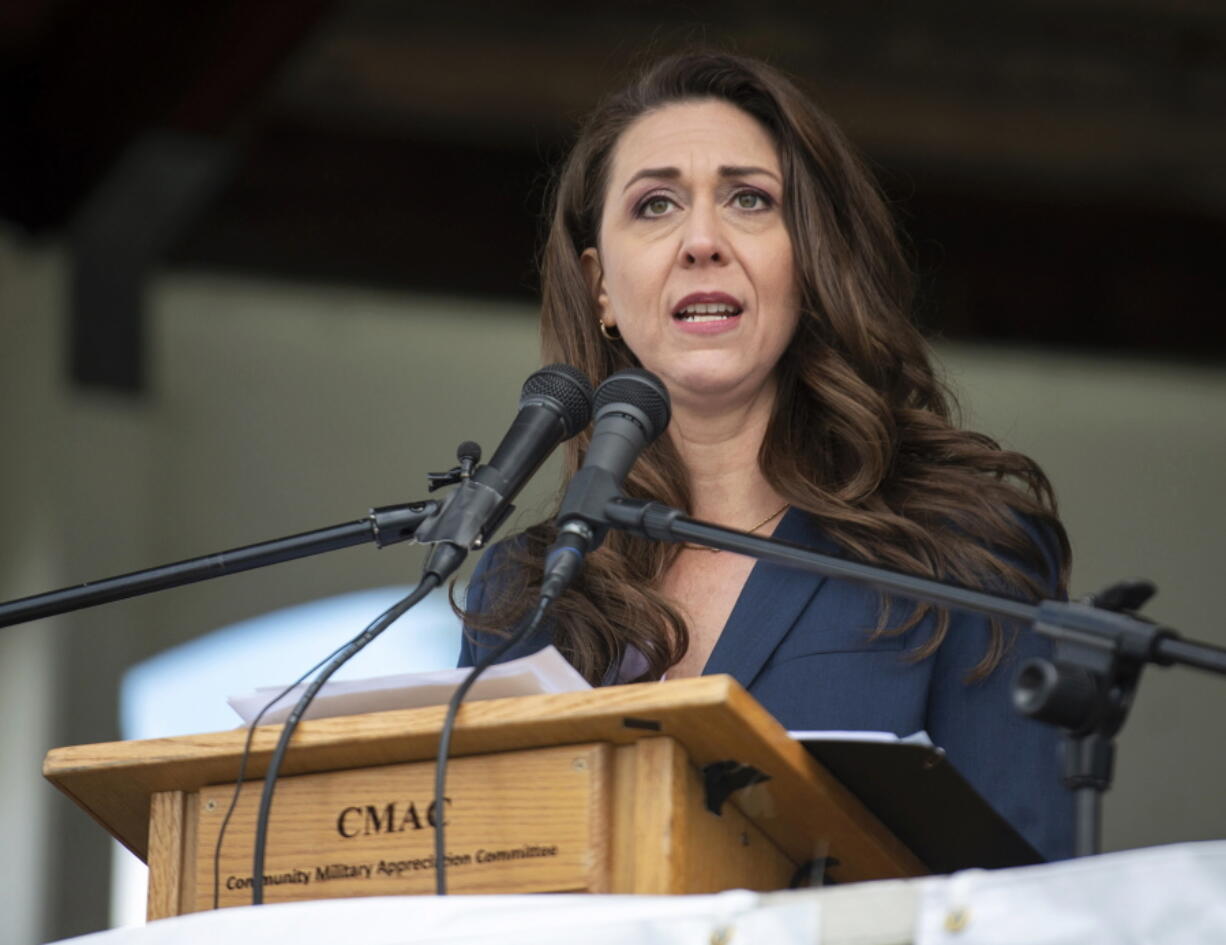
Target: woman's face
694,263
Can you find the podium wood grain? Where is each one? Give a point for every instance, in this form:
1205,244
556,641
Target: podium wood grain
660,733
518,822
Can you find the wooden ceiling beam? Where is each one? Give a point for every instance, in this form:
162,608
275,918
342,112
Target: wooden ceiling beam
999,109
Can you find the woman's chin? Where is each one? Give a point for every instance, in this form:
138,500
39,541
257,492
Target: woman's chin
712,387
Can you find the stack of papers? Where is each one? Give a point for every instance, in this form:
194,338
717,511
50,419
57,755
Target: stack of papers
545,671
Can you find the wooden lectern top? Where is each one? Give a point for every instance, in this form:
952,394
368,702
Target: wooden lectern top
801,808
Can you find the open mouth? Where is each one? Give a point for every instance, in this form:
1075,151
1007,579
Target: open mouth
706,312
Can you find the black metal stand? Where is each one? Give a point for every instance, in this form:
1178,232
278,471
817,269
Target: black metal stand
1086,687
383,526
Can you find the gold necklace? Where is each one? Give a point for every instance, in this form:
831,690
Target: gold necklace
766,521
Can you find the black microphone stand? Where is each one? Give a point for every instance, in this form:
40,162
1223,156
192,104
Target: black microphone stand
1086,687
384,526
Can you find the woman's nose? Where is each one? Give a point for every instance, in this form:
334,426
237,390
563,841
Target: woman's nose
702,241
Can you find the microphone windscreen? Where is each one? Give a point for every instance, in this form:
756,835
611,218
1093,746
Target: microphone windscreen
640,389
469,452
568,387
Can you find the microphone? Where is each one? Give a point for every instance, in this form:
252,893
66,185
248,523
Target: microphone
554,405
632,409
468,454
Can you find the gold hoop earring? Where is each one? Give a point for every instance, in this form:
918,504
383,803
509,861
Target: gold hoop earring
609,331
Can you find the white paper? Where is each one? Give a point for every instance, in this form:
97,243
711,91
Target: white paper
545,671
915,738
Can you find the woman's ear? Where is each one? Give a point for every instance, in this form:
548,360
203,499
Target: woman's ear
593,273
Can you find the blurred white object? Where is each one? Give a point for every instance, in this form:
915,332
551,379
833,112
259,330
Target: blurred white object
1174,895
1171,895
733,917
182,690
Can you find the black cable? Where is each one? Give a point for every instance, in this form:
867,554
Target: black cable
444,743
428,583
242,770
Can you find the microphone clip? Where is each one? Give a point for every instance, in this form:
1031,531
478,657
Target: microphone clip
590,491
468,517
437,480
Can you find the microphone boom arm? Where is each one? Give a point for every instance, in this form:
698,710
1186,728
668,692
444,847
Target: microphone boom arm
383,526
1061,620
1086,687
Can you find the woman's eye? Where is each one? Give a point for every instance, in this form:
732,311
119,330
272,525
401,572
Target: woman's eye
750,200
655,206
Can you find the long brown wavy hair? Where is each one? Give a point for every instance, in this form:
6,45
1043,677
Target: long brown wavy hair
861,436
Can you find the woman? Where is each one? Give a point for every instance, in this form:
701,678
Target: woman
712,226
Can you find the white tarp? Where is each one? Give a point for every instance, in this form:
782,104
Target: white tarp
1173,895
738,916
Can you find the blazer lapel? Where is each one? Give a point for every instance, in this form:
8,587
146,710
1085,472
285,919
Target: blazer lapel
771,601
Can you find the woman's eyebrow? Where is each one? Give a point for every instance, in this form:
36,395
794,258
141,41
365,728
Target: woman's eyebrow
745,171
672,173
668,173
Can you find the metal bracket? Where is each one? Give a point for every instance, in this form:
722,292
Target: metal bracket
722,778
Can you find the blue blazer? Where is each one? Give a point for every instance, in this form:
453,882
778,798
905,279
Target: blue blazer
803,647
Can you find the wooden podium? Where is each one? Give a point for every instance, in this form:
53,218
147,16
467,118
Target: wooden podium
608,790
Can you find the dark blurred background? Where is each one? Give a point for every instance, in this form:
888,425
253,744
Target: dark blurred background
262,264
1058,166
